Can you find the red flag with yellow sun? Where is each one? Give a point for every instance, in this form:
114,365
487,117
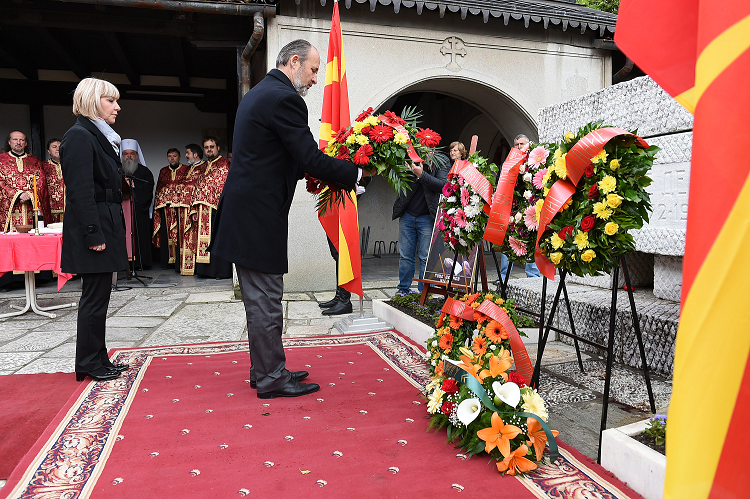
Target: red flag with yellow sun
697,50
340,223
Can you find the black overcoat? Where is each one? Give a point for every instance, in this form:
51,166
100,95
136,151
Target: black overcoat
272,149
93,209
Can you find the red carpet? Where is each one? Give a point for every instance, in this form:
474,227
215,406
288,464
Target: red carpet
28,402
185,422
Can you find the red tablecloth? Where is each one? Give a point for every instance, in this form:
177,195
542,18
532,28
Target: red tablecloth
24,252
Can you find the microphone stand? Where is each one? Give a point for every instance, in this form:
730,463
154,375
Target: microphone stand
134,226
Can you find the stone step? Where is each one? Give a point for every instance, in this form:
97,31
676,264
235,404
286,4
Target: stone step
590,306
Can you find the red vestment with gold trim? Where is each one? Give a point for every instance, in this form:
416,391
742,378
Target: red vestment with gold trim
167,199
188,230
16,177
55,190
206,198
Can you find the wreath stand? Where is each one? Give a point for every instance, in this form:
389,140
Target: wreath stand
608,348
444,288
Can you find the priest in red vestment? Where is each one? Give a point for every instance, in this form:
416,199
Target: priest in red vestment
188,236
166,220
17,171
55,185
205,201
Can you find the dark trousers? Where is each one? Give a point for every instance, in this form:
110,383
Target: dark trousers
91,352
344,294
261,294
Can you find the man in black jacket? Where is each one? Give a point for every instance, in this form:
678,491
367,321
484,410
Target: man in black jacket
273,149
416,210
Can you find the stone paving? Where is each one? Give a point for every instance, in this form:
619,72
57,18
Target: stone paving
193,311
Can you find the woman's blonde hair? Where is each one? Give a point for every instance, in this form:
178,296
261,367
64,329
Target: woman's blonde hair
86,99
461,148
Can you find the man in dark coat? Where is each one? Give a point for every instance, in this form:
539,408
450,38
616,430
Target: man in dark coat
134,165
273,149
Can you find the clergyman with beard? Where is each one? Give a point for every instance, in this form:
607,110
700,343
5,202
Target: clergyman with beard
142,186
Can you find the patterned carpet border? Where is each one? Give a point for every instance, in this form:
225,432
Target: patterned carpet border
71,459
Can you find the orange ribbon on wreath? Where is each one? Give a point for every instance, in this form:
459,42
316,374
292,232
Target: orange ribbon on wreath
575,161
457,308
502,200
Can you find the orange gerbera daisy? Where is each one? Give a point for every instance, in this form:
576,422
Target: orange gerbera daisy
446,341
456,322
495,332
499,435
479,346
537,437
440,320
479,318
516,462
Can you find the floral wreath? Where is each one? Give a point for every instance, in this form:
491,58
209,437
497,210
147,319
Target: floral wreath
590,232
492,410
380,145
461,215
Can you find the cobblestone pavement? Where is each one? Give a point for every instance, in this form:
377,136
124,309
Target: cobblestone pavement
180,310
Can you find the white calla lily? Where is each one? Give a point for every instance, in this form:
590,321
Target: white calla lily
508,392
468,410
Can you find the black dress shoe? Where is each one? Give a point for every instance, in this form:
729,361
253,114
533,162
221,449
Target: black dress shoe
331,302
101,374
291,389
117,367
296,376
339,309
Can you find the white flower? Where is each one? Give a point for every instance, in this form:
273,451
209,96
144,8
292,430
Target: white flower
451,211
508,392
457,230
451,199
434,362
492,347
463,243
518,217
527,194
468,410
469,226
522,169
475,199
434,343
527,177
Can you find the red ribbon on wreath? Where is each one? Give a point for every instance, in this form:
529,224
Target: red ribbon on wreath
502,201
409,146
457,308
475,179
576,161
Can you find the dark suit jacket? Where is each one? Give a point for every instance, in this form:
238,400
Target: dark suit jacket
93,191
433,179
273,148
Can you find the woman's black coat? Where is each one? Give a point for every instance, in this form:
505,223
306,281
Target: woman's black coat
93,208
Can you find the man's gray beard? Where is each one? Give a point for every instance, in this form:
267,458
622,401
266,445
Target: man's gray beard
298,86
129,166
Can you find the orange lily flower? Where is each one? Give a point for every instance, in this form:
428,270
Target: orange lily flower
499,435
473,369
499,364
516,462
537,437
439,369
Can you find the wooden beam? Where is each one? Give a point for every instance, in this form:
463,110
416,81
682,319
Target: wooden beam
122,58
52,42
178,54
24,68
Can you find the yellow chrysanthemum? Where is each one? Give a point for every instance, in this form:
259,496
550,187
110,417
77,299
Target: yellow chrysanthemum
358,126
556,241
538,208
371,120
533,403
349,140
614,164
361,139
607,184
567,204
435,400
614,200
557,154
400,138
601,157
561,168
581,240
588,255
611,228
569,136
546,191
546,177
555,257
601,210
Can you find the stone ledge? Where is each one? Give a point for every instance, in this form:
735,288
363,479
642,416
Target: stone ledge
404,324
590,308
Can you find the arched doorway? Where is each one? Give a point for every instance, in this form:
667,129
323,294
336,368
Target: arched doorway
457,109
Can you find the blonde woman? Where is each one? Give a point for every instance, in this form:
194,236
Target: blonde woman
94,230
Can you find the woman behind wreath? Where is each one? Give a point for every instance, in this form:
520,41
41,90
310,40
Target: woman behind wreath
93,243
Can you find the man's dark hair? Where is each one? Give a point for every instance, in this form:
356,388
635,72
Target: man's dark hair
195,149
49,142
212,138
297,47
7,142
174,149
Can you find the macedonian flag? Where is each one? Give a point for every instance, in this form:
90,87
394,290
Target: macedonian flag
341,224
697,50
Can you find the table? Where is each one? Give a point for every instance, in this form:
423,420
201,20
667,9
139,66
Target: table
29,253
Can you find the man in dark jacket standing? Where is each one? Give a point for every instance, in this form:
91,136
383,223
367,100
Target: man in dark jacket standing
416,210
273,149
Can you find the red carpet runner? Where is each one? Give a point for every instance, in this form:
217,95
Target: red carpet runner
184,422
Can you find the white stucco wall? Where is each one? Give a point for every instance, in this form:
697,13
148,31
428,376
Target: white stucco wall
510,79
